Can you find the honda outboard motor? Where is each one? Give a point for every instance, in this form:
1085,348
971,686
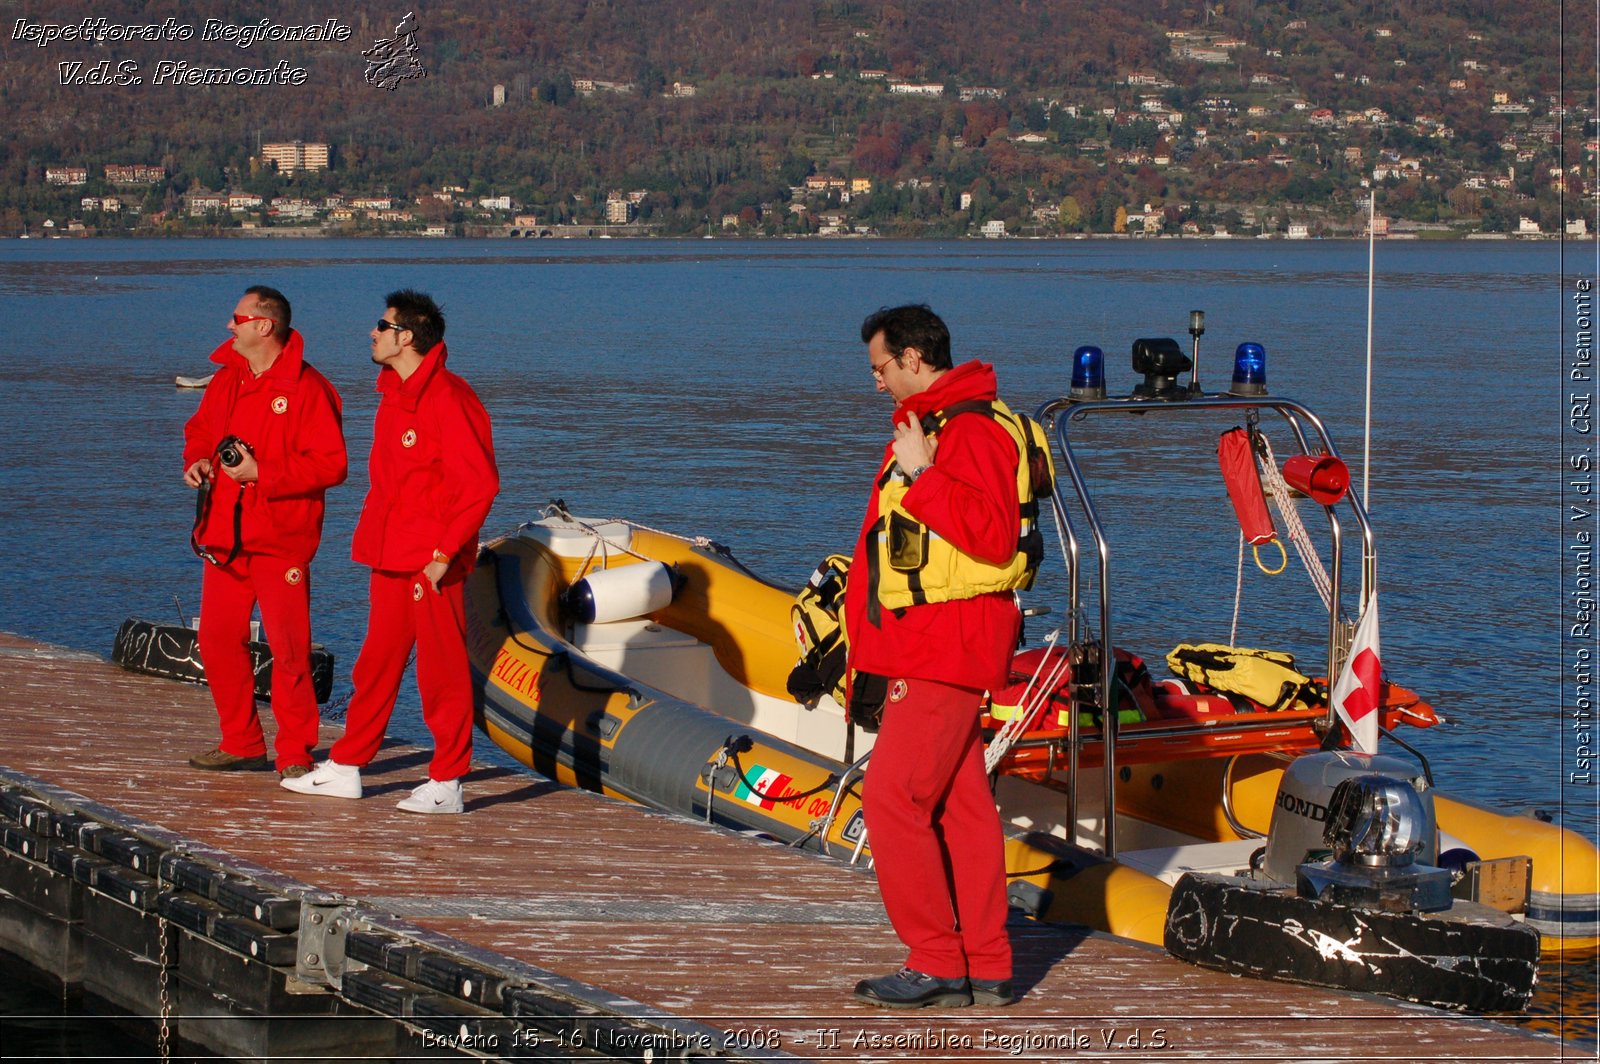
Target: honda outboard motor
1305,795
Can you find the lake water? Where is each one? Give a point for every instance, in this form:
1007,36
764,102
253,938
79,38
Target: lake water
720,388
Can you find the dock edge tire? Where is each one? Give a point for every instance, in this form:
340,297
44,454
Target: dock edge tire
173,651
1473,958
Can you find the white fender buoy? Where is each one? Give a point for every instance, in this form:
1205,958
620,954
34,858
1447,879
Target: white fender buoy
620,593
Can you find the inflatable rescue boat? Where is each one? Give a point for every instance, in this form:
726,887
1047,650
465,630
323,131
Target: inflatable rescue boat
1245,831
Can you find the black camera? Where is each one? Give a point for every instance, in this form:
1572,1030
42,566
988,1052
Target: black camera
231,451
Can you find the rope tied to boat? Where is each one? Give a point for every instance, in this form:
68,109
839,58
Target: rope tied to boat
1272,477
730,752
601,545
1283,498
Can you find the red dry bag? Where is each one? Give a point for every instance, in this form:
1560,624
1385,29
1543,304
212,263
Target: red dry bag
1244,487
1238,462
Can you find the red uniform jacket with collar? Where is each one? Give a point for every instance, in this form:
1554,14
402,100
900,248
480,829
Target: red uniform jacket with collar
291,419
432,468
969,497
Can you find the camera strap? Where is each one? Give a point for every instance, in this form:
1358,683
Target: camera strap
202,507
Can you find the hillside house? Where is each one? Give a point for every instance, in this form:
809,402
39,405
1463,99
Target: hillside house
137,174
200,204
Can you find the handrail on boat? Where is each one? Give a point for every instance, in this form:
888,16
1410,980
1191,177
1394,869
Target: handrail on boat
1298,417
857,767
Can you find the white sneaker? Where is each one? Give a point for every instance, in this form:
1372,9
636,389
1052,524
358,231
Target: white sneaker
435,796
328,778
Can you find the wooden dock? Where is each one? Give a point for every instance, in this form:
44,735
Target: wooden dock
546,923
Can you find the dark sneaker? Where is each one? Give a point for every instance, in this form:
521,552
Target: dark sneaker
294,772
219,760
911,989
993,992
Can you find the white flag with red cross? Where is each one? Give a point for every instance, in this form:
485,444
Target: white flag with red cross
1357,693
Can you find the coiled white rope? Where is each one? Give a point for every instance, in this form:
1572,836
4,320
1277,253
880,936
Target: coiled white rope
1273,478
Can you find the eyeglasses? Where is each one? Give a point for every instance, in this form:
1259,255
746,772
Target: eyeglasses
877,371
384,325
245,319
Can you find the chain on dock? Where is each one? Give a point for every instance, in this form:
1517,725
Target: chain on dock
164,1034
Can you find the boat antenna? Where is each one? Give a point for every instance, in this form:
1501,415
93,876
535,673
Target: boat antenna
1366,446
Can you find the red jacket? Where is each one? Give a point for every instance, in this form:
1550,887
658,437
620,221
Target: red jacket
969,497
291,418
432,468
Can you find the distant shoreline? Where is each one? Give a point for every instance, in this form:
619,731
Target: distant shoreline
323,234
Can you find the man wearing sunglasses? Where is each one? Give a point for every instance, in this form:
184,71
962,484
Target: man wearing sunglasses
263,449
433,482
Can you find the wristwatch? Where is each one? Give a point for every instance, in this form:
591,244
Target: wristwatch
921,469
440,556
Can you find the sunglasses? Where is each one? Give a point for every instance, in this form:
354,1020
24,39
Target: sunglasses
244,319
384,325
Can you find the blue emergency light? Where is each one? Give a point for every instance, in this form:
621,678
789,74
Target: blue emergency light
1249,370
1088,373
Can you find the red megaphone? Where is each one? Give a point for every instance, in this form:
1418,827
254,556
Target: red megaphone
1321,477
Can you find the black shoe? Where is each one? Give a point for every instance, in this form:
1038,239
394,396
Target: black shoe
993,992
911,989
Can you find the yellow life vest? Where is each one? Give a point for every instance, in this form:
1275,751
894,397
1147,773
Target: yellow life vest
1267,677
818,615
911,564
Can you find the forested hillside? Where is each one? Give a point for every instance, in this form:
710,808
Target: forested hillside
917,117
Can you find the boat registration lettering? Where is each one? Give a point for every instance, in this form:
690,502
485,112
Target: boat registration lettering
854,827
517,675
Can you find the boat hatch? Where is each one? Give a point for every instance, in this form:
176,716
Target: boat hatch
1169,863
579,540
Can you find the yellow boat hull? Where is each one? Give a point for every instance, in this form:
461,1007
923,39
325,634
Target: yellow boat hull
562,710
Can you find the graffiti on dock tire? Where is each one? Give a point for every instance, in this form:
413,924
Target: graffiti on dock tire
173,651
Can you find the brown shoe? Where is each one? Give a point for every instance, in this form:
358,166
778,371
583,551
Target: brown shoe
219,760
294,772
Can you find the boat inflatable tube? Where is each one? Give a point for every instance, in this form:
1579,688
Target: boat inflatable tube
620,593
173,651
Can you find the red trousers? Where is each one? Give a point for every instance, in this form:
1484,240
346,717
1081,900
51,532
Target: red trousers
935,835
228,595
404,611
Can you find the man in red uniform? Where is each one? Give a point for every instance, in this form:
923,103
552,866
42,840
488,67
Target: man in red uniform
930,610
264,448
433,481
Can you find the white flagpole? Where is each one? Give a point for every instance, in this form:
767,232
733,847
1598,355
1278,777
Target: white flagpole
1366,450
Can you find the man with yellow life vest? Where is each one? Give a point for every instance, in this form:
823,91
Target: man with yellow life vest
929,606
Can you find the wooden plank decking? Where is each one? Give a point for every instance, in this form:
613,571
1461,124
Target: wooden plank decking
743,936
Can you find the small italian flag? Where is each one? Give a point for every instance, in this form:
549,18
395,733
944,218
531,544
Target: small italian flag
767,781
